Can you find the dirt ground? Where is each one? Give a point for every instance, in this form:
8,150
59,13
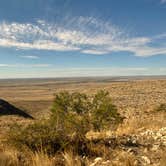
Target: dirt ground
135,99
129,96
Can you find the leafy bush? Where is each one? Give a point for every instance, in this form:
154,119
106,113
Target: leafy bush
71,102
43,136
98,110
36,136
73,115
104,113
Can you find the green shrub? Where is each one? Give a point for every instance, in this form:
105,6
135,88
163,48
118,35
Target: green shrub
104,113
37,136
73,115
41,136
71,102
97,110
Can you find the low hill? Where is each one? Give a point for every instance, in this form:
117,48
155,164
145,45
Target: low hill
9,109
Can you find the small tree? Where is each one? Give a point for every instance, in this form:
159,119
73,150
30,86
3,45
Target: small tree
71,102
73,115
97,110
70,107
104,113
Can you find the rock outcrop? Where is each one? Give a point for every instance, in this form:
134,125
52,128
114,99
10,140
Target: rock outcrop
9,109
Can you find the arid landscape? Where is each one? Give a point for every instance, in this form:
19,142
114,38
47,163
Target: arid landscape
139,140
82,83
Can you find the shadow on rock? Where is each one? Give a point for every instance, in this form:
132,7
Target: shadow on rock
9,109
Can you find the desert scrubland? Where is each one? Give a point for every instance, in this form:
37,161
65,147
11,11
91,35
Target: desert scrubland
139,140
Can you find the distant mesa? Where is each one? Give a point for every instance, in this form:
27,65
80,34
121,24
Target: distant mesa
8,109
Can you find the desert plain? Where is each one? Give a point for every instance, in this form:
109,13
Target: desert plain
136,99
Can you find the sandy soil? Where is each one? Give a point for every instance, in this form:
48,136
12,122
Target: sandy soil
135,99
135,96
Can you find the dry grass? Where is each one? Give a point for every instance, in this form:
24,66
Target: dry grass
163,160
71,160
124,159
91,135
134,125
41,159
9,157
136,100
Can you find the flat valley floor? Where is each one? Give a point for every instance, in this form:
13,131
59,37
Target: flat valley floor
132,97
136,99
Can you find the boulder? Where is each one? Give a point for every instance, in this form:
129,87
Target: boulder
9,109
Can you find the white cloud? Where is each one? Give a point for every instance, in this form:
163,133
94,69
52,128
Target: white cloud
163,1
84,34
4,65
30,56
38,44
24,65
96,52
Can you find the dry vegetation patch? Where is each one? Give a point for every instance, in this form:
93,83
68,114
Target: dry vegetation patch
139,140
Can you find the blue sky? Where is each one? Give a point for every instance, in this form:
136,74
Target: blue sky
64,38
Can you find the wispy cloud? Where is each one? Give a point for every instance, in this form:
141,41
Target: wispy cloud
94,51
87,35
30,56
163,1
24,65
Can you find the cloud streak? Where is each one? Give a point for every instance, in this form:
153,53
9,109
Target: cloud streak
163,1
3,65
78,72
85,35
30,57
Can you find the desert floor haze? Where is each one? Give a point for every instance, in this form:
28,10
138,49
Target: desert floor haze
140,139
